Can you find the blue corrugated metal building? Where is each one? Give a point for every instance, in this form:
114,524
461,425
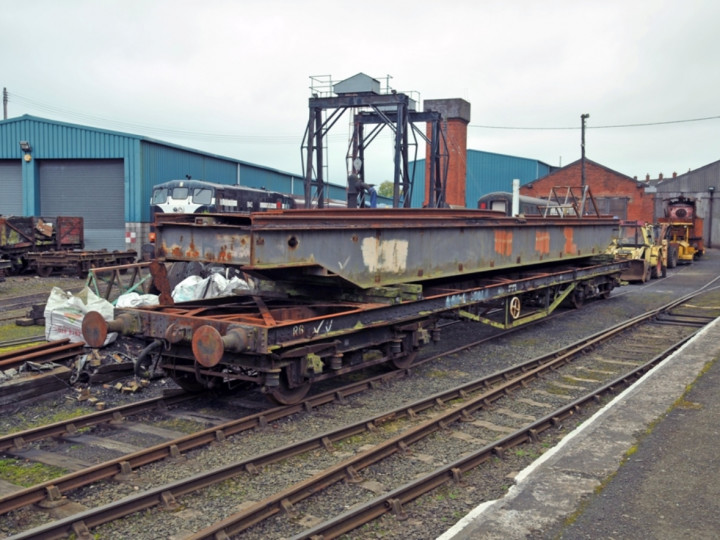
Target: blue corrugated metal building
486,172
50,168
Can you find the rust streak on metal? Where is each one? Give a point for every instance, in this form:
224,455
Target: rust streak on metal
503,242
570,245
542,242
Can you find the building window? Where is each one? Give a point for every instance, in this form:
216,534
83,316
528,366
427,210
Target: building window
614,206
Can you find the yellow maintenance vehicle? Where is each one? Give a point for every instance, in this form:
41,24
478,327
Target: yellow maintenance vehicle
644,246
682,247
683,231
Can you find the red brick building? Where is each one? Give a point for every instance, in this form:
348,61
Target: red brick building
615,193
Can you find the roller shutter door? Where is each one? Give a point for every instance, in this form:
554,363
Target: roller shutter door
93,189
11,188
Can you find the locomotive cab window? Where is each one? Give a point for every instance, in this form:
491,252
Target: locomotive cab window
202,196
159,196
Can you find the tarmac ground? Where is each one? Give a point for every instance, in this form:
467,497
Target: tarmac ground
646,466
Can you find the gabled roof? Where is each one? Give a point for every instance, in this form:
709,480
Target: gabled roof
712,168
578,163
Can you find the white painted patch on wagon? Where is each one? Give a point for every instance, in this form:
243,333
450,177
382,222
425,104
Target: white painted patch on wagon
385,255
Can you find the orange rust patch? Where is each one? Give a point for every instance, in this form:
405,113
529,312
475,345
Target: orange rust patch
224,255
542,242
503,242
570,246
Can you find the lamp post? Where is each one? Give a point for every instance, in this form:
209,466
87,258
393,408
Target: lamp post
711,190
583,117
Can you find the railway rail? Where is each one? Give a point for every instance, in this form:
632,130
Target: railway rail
14,307
51,351
501,384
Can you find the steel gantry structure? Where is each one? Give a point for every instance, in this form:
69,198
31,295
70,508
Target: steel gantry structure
394,110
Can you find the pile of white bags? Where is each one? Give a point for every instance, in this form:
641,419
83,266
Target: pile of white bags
64,313
213,286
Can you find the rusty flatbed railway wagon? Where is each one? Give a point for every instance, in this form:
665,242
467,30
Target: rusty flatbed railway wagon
20,235
337,290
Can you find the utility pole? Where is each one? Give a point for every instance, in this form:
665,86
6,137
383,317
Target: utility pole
711,190
5,100
583,117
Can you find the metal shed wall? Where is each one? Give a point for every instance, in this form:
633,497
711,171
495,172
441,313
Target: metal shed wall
486,172
272,180
696,181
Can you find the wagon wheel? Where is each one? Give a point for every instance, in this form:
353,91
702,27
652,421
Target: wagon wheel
407,355
515,307
284,395
44,270
578,297
607,289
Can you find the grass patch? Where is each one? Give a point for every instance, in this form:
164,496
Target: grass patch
41,417
181,425
446,493
522,452
13,331
28,474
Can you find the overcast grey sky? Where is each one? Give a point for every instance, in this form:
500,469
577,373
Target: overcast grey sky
233,77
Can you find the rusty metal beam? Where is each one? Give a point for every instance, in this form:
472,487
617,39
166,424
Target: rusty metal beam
380,247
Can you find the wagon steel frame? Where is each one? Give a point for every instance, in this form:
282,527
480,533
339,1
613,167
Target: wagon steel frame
277,340
338,290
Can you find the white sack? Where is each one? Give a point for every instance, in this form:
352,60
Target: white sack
216,285
133,299
64,313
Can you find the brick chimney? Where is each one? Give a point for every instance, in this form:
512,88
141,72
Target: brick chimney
456,113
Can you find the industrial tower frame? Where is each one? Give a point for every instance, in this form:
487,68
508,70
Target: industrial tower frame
380,110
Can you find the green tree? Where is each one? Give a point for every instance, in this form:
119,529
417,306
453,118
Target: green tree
385,189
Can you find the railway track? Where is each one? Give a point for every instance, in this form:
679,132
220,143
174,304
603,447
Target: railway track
14,307
51,351
476,398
